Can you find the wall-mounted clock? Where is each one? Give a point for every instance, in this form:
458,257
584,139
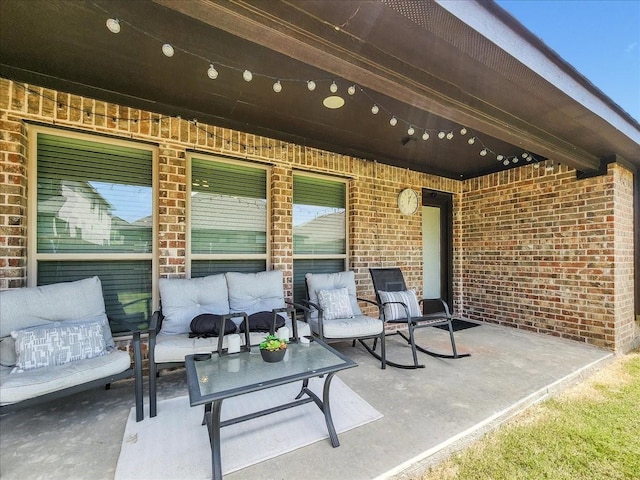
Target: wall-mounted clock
408,201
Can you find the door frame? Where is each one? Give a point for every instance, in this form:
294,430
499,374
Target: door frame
444,201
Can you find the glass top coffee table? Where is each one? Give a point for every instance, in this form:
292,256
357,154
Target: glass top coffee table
211,379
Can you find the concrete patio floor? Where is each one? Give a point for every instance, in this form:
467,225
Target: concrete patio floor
428,413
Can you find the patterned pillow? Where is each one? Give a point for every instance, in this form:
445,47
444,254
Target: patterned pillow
395,311
335,303
57,344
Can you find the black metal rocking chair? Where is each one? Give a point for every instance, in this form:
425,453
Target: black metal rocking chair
398,305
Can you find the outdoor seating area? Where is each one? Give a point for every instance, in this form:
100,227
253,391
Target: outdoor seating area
508,371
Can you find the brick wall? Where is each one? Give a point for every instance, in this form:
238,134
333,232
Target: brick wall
379,235
546,252
533,247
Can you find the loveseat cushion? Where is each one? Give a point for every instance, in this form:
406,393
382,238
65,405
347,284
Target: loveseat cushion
331,281
184,299
255,292
28,307
15,387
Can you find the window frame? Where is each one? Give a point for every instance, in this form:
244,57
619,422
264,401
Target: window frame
33,257
190,256
324,256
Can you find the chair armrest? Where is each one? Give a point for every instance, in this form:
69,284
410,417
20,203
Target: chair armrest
445,306
156,322
407,313
314,306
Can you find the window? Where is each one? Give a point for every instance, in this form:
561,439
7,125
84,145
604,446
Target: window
92,214
228,217
319,228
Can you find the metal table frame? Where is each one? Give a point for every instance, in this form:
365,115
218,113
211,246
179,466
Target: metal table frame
280,373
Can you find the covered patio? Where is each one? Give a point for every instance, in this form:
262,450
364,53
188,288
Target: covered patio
281,105
428,413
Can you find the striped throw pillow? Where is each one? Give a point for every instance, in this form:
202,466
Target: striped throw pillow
395,311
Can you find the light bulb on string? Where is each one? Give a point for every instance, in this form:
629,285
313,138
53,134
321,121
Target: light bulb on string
311,85
411,130
471,141
333,88
375,109
168,50
277,87
515,159
506,162
425,136
393,122
463,131
483,152
499,157
212,72
247,75
441,135
351,90
449,135
113,24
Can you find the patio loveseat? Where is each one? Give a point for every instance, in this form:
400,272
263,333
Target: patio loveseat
232,296
55,340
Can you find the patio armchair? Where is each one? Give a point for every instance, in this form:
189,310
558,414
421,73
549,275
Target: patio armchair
333,313
55,340
398,305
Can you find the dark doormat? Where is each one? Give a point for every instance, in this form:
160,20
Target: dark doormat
458,325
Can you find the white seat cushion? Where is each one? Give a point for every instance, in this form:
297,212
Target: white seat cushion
358,326
15,387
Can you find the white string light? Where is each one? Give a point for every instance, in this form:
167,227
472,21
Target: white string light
114,25
212,73
168,50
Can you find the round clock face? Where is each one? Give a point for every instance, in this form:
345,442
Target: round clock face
408,201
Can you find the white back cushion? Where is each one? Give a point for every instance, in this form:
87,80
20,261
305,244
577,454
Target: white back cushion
58,302
255,292
332,281
183,299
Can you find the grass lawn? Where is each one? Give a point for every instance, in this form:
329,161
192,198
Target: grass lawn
591,431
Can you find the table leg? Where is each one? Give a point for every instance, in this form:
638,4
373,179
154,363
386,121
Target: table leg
327,411
213,425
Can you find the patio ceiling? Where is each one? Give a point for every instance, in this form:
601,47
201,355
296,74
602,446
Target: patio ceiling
435,66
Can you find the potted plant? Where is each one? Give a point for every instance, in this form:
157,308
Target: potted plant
273,348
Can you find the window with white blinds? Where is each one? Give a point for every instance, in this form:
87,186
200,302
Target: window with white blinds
319,228
228,217
94,216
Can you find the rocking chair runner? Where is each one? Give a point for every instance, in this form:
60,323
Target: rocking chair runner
399,305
